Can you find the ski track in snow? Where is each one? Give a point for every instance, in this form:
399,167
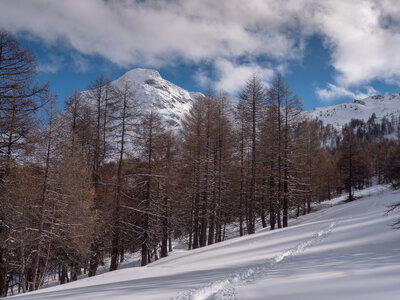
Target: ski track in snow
225,289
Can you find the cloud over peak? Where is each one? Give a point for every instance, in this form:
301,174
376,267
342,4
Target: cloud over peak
361,35
332,92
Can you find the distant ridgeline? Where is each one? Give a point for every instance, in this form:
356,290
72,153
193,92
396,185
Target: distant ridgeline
373,118
376,117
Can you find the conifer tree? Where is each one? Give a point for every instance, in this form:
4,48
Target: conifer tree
126,115
254,95
19,99
150,136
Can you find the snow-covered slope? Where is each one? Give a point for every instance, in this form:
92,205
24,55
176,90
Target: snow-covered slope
338,115
342,251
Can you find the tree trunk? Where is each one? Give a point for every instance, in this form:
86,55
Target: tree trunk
3,274
271,197
164,240
213,208
286,166
253,171
241,193
34,283
63,278
196,212
204,213
122,248
350,172
117,206
147,198
94,259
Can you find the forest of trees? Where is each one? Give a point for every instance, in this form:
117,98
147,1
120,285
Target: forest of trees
103,177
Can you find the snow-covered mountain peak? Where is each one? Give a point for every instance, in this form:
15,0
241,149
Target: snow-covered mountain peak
141,76
170,100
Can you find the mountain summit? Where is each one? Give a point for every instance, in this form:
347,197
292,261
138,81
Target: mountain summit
170,100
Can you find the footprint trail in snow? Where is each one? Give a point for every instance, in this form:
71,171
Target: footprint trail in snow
225,289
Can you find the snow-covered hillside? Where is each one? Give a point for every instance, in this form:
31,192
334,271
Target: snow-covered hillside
338,115
342,251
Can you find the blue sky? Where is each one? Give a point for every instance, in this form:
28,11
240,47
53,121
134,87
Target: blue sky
329,51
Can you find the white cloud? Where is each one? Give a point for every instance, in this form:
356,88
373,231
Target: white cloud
363,47
49,68
52,64
363,36
202,78
333,92
231,76
159,32
80,63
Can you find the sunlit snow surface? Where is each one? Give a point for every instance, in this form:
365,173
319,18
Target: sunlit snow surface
343,251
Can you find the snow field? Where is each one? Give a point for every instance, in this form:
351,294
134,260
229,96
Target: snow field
346,251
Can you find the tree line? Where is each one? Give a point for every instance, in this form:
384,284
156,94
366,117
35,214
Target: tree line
103,177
